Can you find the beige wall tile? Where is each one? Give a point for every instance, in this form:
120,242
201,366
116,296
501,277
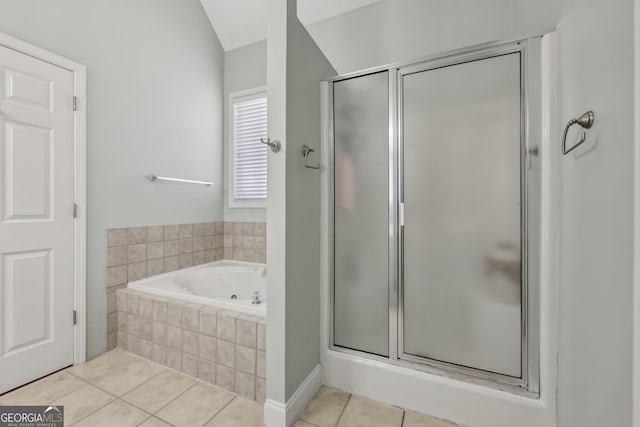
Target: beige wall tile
117,275
208,321
112,322
122,321
227,227
206,347
117,237
207,371
261,390
122,299
133,344
210,255
245,385
237,253
123,340
146,348
171,248
190,316
112,340
133,303
137,271
171,263
226,325
160,333
155,267
225,353
137,253
209,242
171,232
190,364
228,241
228,253
225,377
189,342
261,364
186,246
159,354
160,310
210,228
174,338
186,231
174,312
155,233
198,230
198,258
117,255
260,229
145,327
186,260
247,228
112,302
245,359
146,306
195,406
237,228
155,250
262,336
137,235
132,324
174,359
198,244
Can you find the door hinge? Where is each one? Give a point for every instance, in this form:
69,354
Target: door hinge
75,103
75,210
75,317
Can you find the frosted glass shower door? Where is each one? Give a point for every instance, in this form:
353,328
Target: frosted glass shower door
361,213
461,154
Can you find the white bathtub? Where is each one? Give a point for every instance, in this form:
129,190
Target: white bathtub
229,285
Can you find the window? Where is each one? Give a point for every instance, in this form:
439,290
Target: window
248,161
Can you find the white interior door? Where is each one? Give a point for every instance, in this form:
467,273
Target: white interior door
36,220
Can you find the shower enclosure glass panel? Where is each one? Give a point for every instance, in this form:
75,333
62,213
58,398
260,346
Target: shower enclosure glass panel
361,213
462,252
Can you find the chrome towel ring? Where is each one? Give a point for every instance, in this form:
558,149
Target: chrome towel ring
585,121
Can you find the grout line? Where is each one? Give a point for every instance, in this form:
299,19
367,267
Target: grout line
221,409
403,415
344,409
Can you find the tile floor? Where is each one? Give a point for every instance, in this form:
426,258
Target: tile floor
120,389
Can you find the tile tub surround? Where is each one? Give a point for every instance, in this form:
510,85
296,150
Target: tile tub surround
139,252
221,347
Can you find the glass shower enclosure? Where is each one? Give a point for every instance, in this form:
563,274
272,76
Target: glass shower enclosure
435,214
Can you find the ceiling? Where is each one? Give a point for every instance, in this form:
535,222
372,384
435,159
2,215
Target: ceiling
241,22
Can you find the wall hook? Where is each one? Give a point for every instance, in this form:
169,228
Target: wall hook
275,145
306,150
585,121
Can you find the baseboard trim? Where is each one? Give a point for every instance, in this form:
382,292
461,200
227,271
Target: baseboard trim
277,414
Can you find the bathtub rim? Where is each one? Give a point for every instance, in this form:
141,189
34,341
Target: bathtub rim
143,285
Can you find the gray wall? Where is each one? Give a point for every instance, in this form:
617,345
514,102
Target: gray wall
155,84
244,68
306,68
596,277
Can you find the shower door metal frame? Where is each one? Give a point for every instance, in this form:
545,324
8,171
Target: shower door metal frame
530,137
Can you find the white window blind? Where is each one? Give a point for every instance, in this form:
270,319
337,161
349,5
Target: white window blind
249,156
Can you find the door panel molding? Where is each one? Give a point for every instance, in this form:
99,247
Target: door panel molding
80,172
